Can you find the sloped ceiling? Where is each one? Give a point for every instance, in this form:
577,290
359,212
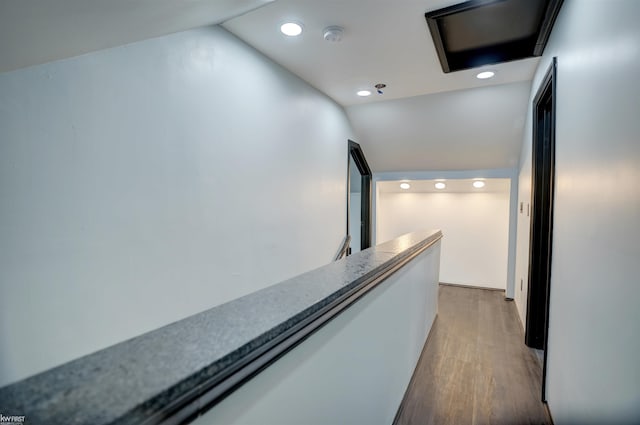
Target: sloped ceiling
384,41
479,128
425,119
38,31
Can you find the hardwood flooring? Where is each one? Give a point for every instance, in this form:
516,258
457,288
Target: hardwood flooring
475,368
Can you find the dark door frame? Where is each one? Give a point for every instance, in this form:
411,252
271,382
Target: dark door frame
542,200
355,152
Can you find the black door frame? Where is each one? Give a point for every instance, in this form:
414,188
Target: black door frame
355,152
542,203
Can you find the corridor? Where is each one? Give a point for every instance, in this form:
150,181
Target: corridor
475,368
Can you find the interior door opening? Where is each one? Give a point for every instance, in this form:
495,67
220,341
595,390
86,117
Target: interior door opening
358,199
543,171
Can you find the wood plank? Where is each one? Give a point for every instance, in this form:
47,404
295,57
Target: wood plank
475,368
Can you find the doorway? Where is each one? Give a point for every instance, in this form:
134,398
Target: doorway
358,199
540,248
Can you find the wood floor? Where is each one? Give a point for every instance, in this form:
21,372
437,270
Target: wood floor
475,368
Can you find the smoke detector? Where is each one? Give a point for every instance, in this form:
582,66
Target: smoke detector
333,33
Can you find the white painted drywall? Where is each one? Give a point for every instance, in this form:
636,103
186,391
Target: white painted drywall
32,33
475,227
594,332
145,183
508,173
354,370
522,246
456,130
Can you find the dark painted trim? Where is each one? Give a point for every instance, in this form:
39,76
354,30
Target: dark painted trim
553,70
553,9
532,46
347,232
355,152
358,156
365,230
542,212
432,22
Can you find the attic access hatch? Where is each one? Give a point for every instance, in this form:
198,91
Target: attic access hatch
485,32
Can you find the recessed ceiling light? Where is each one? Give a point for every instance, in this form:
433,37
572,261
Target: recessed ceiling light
478,184
291,29
486,74
364,93
405,186
440,185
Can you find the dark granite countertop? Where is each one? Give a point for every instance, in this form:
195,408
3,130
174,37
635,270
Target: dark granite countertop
130,381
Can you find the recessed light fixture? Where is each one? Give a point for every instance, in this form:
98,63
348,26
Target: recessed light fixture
485,74
478,184
364,93
291,29
440,185
405,186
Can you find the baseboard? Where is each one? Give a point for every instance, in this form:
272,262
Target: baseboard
546,406
460,285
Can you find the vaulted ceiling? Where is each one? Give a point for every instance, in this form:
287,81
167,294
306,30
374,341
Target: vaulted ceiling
38,31
384,41
424,120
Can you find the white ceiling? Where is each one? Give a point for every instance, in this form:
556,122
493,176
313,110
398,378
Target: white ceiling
469,129
453,186
38,31
425,120
384,41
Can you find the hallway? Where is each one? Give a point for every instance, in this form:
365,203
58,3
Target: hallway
475,368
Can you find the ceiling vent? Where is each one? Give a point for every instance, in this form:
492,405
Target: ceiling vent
481,32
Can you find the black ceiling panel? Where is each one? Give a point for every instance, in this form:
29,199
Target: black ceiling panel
483,32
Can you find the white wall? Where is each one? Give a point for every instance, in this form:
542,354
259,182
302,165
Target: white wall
355,369
475,227
522,246
148,182
594,333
